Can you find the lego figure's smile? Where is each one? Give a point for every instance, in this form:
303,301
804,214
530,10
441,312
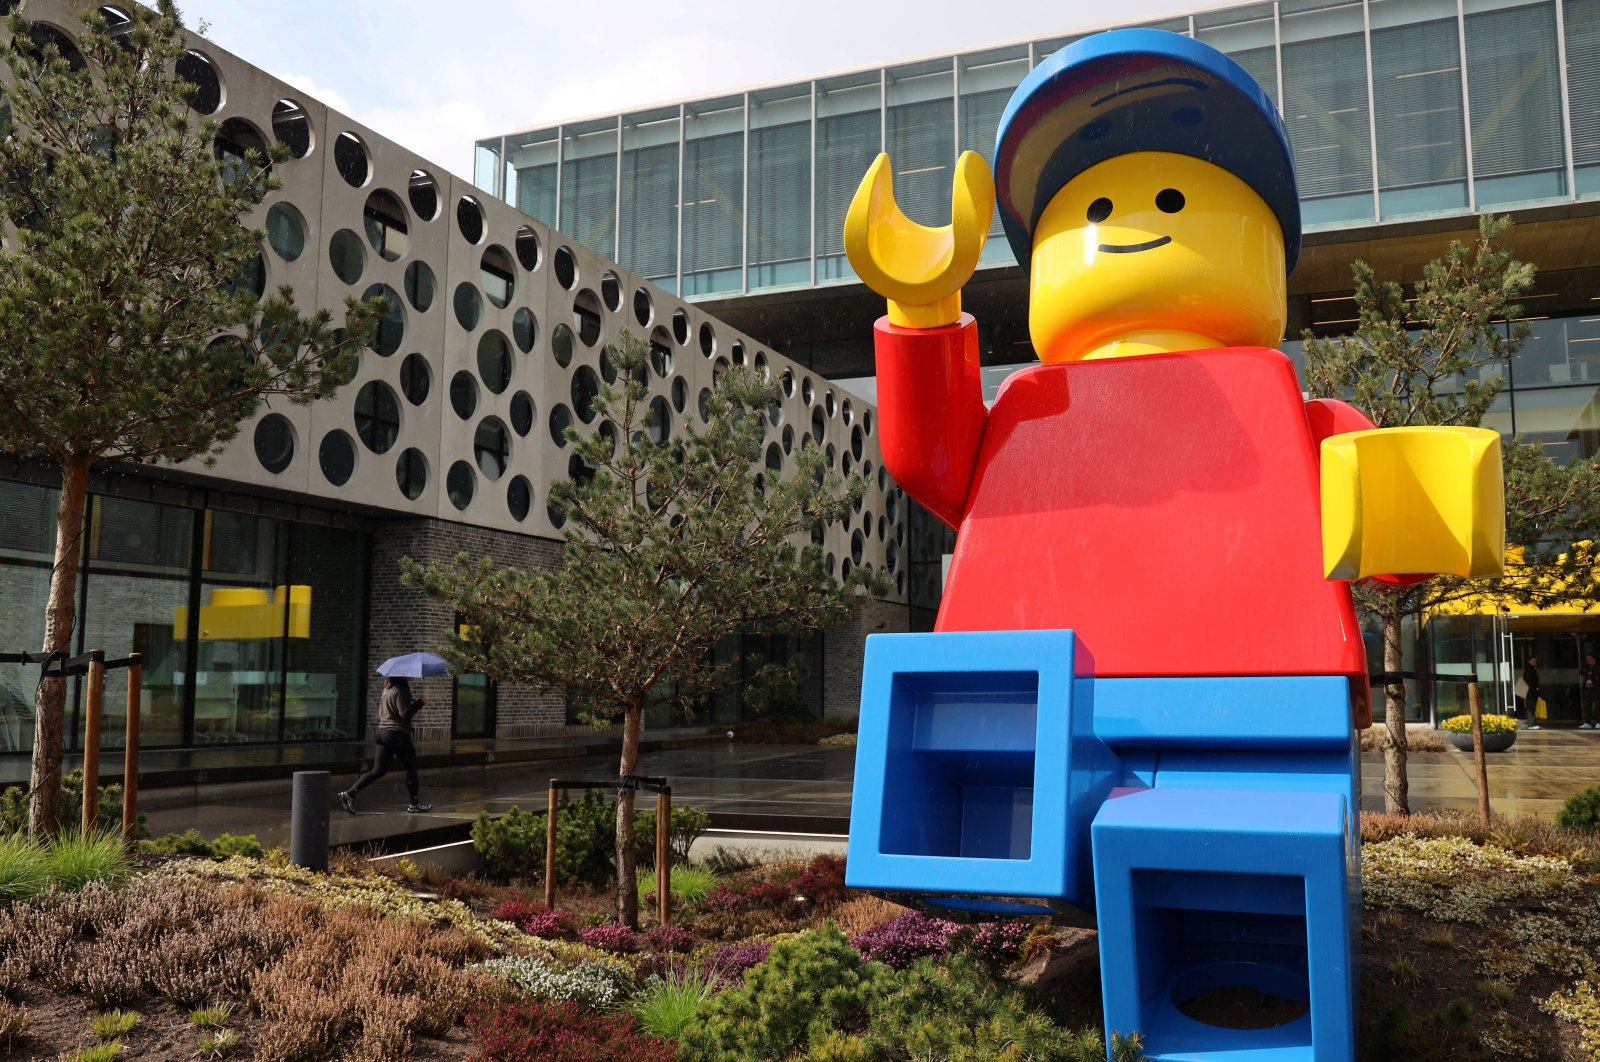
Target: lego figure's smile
1130,248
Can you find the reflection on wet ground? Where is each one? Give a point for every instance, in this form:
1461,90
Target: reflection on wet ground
808,788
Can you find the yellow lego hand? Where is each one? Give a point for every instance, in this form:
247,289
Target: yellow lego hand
920,270
1411,500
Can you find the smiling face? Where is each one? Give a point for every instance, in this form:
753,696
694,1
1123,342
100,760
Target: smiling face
1154,251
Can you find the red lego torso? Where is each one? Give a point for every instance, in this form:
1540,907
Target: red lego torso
1166,507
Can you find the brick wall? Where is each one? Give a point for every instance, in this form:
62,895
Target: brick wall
844,648
402,620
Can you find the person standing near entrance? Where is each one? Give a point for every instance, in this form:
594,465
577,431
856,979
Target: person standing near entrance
395,712
1530,698
1589,692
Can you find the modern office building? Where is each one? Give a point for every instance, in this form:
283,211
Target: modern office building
263,589
1406,117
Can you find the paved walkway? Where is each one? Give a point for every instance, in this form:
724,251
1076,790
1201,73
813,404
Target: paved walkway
803,789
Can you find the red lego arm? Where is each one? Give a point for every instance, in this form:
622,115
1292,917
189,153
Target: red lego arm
1329,417
930,407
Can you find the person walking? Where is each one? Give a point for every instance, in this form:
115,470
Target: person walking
395,712
1589,692
1530,699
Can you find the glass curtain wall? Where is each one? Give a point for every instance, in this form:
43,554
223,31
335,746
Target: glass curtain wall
1514,92
1416,92
713,197
922,131
985,84
849,137
1582,25
136,589
323,647
244,622
1325,108
780,187
27,551
1245,35
531,168
649,236
589,185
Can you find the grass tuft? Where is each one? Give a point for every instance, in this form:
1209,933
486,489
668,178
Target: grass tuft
106,1052
1499,993
13,1025
113,1024
1405,972
689,883
220,1044
75,861
24,868
668,1005
212,1017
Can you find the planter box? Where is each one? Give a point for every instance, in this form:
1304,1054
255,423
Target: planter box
1491,742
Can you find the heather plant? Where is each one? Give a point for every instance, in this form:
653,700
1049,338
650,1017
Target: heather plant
14,1021
902,941
822,881
24,868
671,938
997,945
536,1031
729,962
598,983
809,986
612,936
668,1003
550,925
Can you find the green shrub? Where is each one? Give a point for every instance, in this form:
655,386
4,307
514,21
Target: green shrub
810,986
69,811
187,843
24,868
689,882
227,845
668,1005
74,860
1581,810
513,844
688,824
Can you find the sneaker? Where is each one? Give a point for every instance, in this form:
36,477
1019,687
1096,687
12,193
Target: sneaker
1585,726
347,802
417,807
1534,726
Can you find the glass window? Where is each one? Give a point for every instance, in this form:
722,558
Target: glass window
323,683
1582,18
780,187
245,619
1515,92
649,237
1325,108
589,185
1565,419
486,165
987,81
849,137
531,174
1416,93
713,197
136,598
27,551
1245,35
922,139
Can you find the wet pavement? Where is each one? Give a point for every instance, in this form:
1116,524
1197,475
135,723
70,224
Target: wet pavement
799,789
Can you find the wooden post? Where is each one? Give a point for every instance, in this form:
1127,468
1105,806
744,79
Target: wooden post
91,739
1475,707
664,855
130,753
550,851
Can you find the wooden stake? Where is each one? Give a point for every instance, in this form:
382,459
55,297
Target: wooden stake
1474,706
664,855
130,753
550,851
91,739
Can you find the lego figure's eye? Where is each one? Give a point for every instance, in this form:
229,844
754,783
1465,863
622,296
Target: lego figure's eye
1099,210
1169,200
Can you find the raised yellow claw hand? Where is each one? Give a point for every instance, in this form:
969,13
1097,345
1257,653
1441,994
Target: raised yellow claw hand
920,270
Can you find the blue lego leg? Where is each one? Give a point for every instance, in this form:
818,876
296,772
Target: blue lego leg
975,777
1237,869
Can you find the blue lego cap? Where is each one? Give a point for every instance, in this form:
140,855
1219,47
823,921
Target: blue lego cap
1138,90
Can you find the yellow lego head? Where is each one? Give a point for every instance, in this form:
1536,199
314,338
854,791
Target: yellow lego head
1153,251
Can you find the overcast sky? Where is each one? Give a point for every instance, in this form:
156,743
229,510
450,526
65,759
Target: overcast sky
436,75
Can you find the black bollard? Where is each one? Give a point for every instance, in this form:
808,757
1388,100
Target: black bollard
308,820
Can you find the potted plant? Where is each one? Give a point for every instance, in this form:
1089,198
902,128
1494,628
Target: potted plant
1499,731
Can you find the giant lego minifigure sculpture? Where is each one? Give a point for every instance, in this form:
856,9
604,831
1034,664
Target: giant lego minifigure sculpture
1139,696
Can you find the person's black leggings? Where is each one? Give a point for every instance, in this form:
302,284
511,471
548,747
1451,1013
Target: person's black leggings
392,745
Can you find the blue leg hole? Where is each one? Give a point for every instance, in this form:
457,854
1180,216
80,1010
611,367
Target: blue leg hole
960,771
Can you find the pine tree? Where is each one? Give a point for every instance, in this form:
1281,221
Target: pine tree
129,329
671,544
1433,359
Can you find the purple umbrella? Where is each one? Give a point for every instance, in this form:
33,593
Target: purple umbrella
413,665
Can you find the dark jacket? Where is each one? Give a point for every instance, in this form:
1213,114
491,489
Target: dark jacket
1589,678
397,707
1530,675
